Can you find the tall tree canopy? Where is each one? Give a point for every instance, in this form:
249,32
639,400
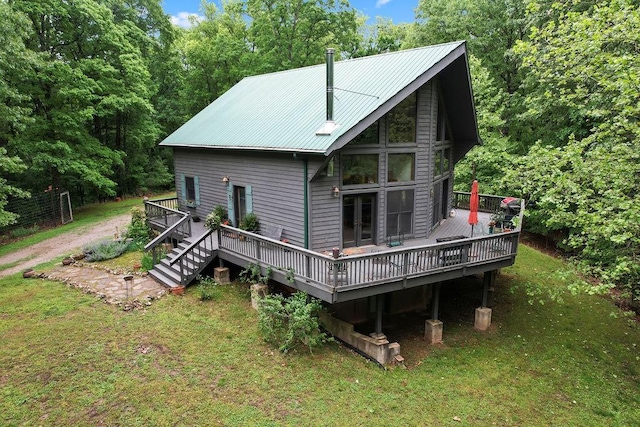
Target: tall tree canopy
582,97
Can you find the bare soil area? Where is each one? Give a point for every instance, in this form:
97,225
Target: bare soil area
64,244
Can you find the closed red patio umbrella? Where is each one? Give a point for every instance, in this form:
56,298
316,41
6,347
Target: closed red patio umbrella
473,205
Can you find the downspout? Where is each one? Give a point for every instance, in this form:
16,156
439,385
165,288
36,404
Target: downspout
305,168
305,192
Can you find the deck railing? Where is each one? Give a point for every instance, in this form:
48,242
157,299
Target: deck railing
362,270
176,224
487,202
195,257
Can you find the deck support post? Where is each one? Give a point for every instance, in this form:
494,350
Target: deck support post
379,309
433,326
435,301
489,280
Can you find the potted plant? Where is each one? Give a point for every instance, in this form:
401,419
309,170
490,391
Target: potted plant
221,211
250,223
496,221
213,221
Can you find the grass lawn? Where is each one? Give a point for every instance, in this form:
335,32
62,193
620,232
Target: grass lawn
68,359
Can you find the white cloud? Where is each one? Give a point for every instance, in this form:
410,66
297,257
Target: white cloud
381,3
186,19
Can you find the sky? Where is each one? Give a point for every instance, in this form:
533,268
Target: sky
398,10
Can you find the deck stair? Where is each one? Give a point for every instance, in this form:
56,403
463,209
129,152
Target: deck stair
184,262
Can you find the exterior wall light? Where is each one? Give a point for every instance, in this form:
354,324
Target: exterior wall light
336,192
225,179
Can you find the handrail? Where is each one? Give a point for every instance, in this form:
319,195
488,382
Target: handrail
372,268
168,232
189,248
164,208
487,202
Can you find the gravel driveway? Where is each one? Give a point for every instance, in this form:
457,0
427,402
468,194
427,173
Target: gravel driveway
64,244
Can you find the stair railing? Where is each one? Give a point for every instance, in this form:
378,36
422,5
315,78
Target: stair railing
181,224
195,257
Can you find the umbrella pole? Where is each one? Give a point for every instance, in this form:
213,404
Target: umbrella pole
472,230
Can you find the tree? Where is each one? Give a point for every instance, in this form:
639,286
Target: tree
93,122
492,157
217,55
381,37
287,34
582,83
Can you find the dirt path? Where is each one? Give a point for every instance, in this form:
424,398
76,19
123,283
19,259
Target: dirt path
64,244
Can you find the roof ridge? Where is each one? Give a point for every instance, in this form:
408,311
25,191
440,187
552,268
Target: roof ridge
273,73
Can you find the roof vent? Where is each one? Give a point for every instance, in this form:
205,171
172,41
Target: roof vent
329,125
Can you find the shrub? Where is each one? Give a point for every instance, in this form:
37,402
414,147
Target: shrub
250,222
252,274
290,322
105,249
212,221
146,262
208,288
138,230
23,231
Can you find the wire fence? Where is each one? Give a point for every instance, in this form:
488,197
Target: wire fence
52,207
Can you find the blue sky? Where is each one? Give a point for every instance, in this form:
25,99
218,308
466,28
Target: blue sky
397,10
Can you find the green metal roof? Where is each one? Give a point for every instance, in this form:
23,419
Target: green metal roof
282,111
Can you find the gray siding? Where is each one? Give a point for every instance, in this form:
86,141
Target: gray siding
278,184
326,210
424,167
326,218
276,180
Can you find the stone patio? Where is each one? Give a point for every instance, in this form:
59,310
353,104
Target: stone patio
111,286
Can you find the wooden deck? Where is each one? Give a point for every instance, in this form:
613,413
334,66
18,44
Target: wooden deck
370,270
377,269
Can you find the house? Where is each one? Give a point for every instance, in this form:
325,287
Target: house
400,122
356,155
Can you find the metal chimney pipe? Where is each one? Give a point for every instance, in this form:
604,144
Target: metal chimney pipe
330,84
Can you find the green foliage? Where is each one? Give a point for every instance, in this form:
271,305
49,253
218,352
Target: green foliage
208,289
222,212
105,249
139,231
582,84
291,322
23,231
252,274
250,222
213,221
146,262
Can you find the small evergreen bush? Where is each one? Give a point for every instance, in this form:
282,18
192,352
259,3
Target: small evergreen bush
287,323
105,249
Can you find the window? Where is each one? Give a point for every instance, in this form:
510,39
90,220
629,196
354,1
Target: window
399,212
401,167
369,136
240,207
190,191
190,188
437,163
359,169
402,121
446,160
441,127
